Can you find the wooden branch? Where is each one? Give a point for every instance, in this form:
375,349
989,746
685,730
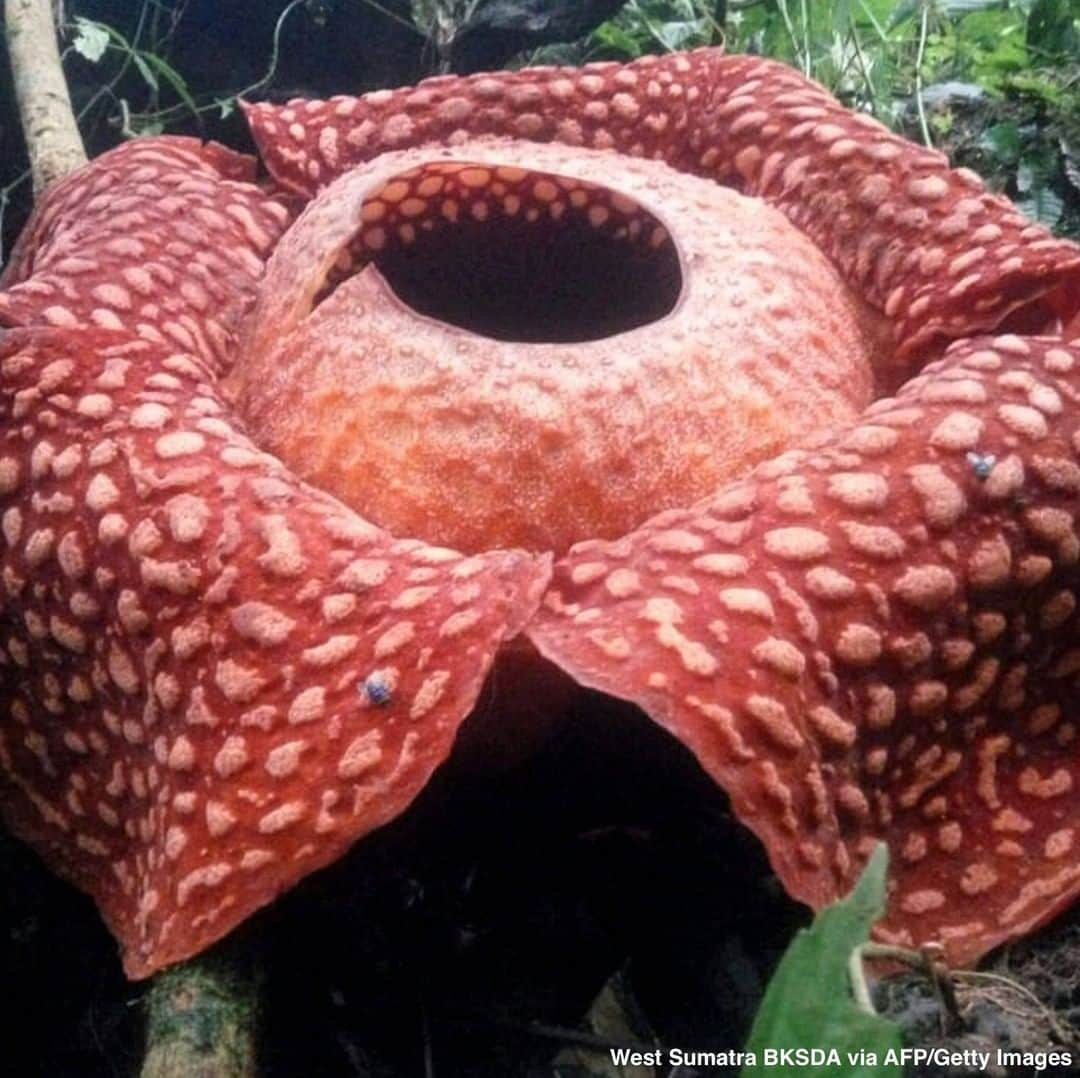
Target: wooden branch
202,1017
48,120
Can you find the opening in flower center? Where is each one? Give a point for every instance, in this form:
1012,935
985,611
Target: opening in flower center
517,254
480,354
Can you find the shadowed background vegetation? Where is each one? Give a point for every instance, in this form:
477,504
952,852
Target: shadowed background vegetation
995,84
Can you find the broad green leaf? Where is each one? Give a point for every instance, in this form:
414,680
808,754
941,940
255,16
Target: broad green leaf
91,39
809,1004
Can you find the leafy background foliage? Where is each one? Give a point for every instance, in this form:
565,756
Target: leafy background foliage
994,83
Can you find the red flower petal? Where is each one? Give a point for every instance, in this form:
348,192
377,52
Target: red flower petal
925,243
161,237
876,640
218,678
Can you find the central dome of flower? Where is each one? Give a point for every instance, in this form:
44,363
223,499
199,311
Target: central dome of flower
506,344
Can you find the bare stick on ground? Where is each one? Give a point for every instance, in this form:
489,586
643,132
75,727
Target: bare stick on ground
201,1018
48,122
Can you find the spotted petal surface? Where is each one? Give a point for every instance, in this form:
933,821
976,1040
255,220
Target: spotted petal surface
927,244
163,237
216,678
219,678
876,640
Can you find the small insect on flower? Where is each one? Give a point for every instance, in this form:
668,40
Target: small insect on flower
377,688
982,464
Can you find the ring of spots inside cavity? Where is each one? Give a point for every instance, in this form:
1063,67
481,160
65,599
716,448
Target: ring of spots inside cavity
442,193
470,441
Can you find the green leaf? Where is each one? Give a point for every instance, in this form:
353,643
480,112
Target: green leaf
172,77
682,34
1032,84
904,10
91,39
1052,28
841,13
610,35
1003,142
1036,197
809,1003
144,69
1043,204
615,1016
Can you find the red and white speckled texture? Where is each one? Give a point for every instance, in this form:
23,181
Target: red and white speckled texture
929,245
218,677
473,442
876,640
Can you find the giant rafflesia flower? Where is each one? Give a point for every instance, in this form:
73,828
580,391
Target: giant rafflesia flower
520,317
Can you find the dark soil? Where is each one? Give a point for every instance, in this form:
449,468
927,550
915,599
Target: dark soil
474,930
469,939
1025,999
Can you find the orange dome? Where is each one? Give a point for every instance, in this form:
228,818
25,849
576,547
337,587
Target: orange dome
366,387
